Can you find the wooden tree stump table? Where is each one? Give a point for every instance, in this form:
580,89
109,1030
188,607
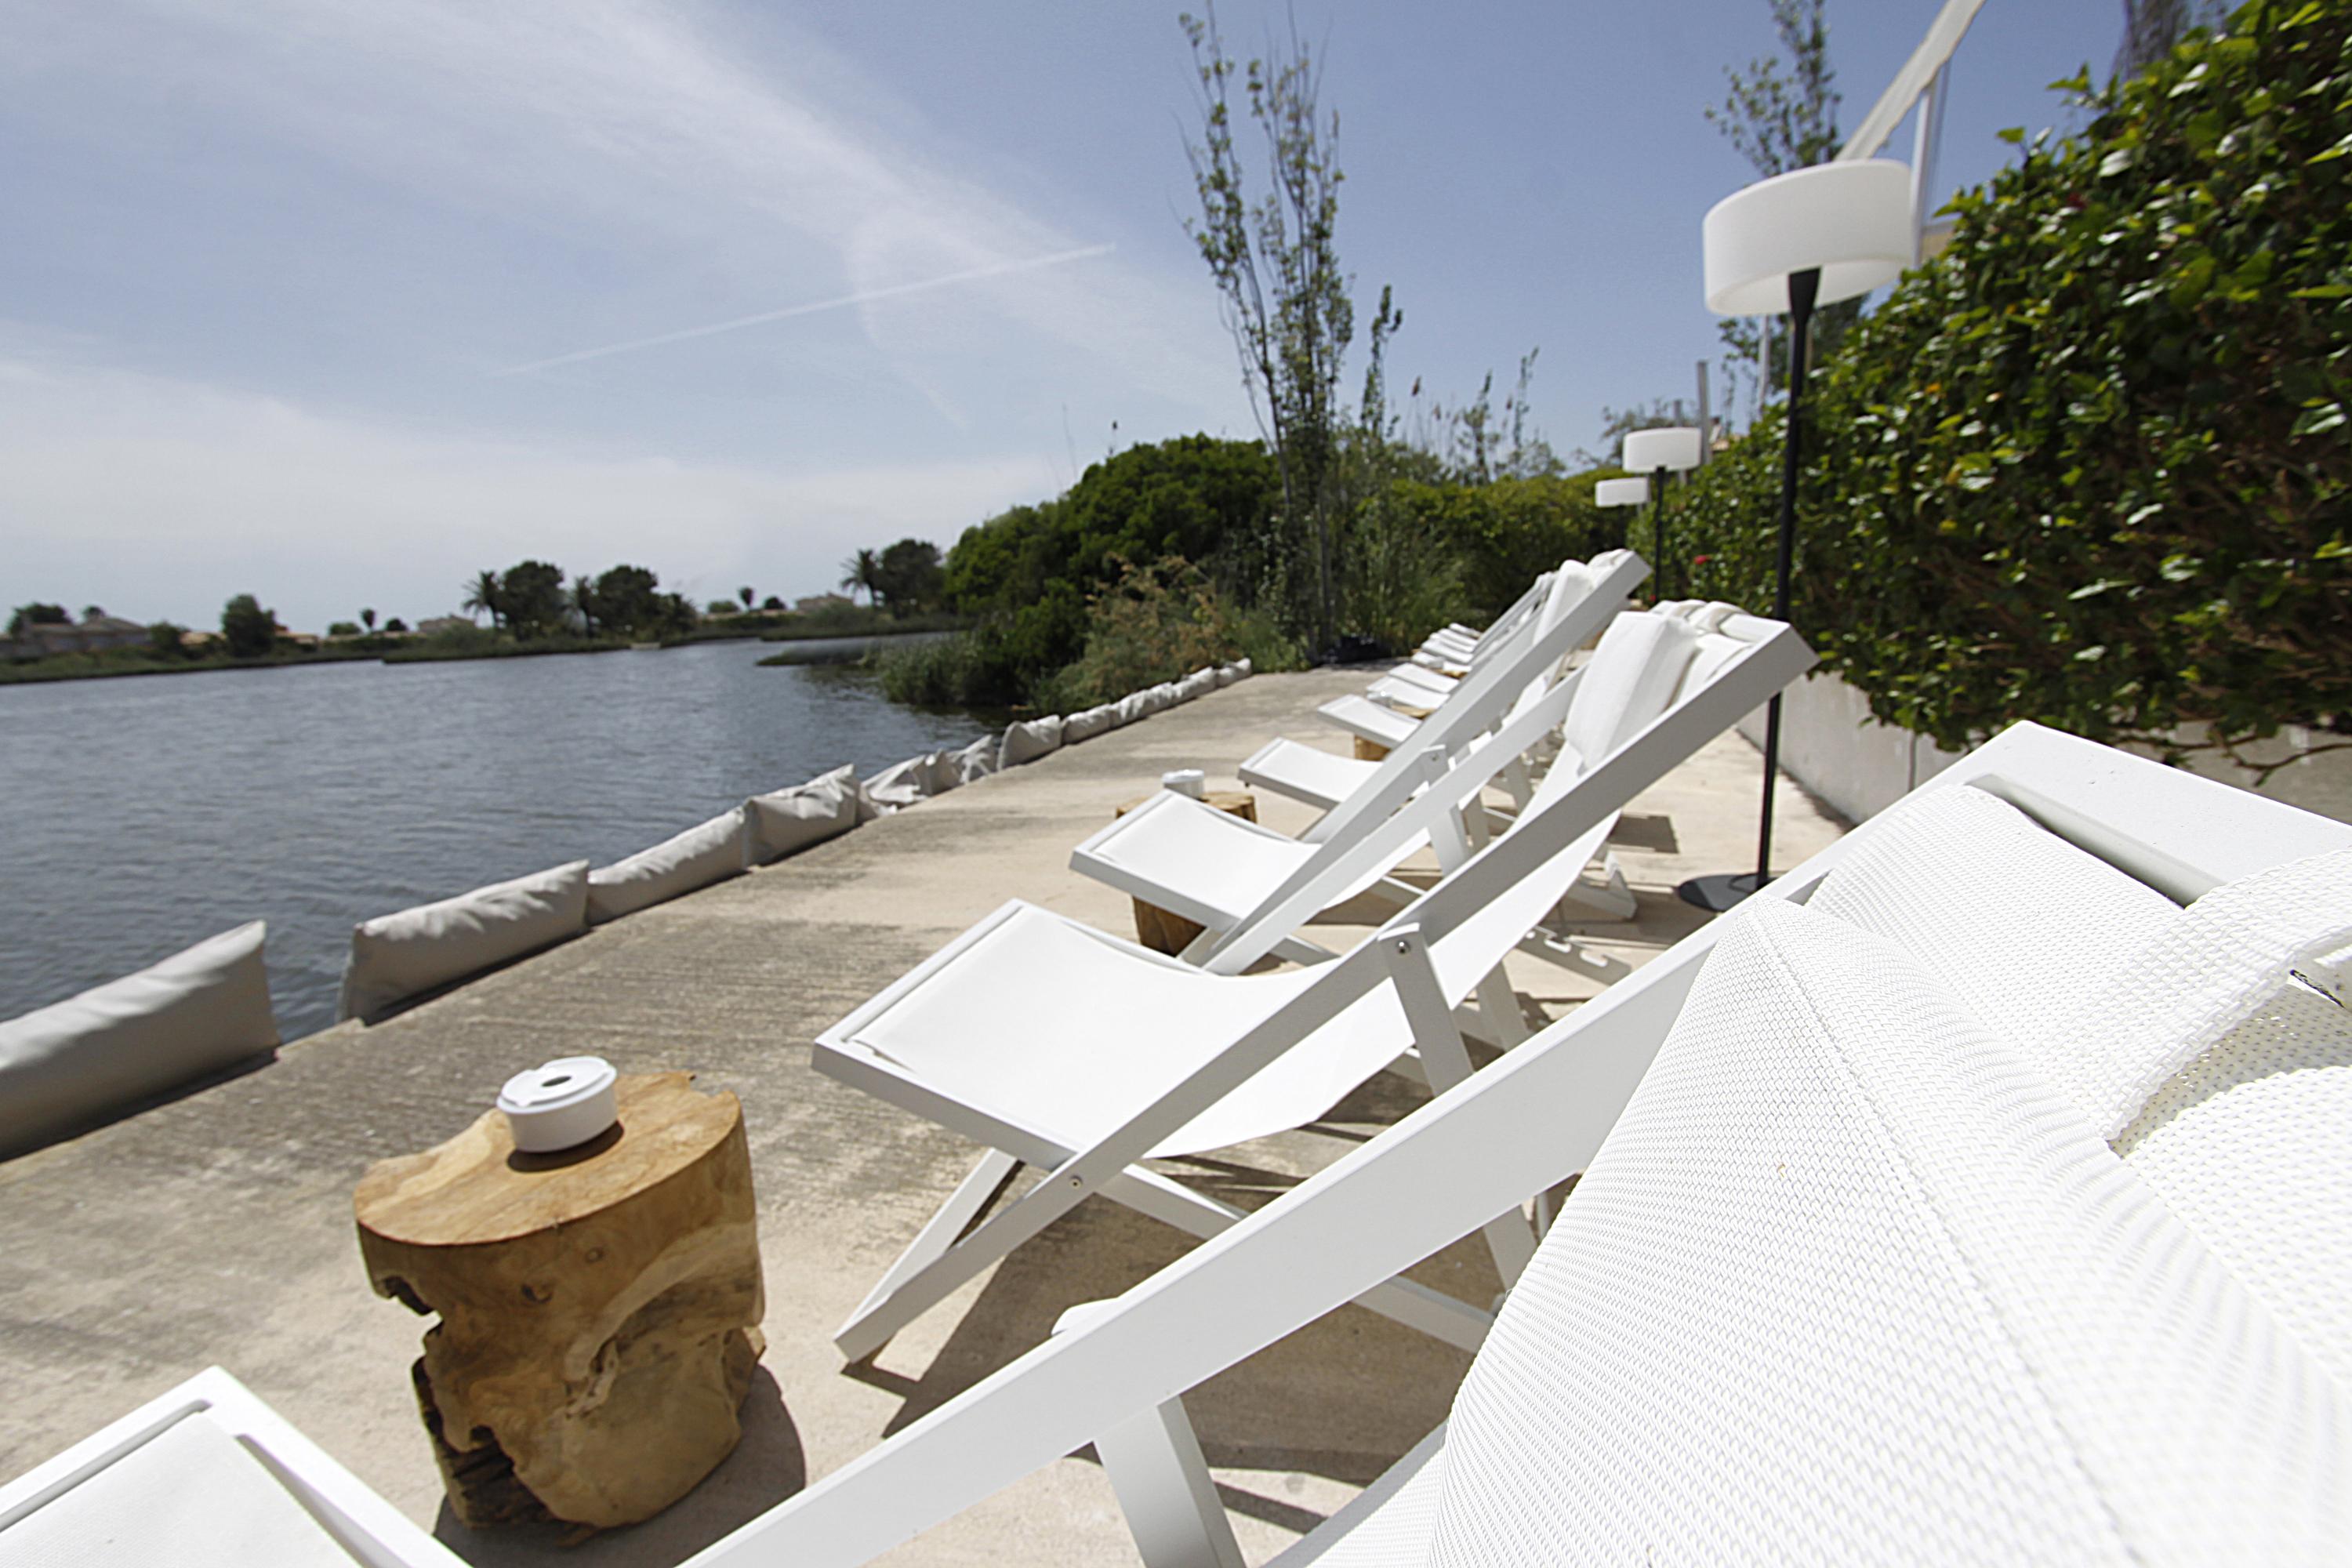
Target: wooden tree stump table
1155,927
599,1307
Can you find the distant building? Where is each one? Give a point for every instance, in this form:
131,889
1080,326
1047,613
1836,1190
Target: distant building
819,602
91,634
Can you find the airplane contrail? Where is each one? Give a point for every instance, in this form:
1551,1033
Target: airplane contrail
995,269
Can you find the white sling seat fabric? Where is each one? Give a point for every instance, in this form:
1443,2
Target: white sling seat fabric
1851,1281
397,956
1071,1074
198,1011
706,853
191,1497
1322,779
1217,869
1379,723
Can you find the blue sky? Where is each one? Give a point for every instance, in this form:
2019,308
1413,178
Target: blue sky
275,275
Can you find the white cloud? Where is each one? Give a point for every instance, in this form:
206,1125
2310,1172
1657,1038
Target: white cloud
667,131
160,499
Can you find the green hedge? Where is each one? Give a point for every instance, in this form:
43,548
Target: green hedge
2090,465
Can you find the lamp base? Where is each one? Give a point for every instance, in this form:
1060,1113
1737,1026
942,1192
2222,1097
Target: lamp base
1725,890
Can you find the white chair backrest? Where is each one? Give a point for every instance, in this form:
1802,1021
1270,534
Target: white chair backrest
1480,696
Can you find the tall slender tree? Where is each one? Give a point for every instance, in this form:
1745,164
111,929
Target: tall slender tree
1276,266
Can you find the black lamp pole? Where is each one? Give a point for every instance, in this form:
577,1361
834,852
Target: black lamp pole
1721,892
1658,524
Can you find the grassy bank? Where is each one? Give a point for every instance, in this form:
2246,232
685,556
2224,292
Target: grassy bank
137,661
856,649
439,649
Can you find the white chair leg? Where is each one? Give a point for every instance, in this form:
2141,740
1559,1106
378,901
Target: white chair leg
1164,1489
855,1337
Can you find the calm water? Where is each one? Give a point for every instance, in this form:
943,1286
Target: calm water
143,815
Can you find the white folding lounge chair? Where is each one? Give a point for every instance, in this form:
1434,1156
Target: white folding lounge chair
1250,888
1862,1268
206,1476
1519,673
1445,657
1391,712
1203,1060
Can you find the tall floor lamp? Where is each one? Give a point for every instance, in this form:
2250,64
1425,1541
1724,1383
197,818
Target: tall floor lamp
1621,493
1811,236
1669,449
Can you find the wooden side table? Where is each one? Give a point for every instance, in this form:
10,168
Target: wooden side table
599,1307
1155,927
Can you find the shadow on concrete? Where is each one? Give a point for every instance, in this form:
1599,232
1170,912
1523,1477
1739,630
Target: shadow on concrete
1653,831
767,1467
1343,1397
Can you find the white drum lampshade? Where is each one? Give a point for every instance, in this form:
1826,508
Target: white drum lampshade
1620,492
1675,448
1850,221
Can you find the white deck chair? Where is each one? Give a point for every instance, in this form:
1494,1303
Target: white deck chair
1251,888
1392,710
1522,669
1056,1045
1989,1339
206,1476
1445,657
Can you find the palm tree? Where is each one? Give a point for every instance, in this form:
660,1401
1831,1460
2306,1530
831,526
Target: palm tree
747,596
482,593
863,570
582,603
367,620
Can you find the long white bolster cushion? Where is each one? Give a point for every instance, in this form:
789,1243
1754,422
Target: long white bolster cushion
197,1011
706,853
826,807
397,956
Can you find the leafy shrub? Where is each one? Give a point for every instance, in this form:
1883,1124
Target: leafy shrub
1399,580
1159,623
1507,532
2090,465
248,630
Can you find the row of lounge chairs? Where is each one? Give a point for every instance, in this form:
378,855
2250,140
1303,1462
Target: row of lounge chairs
1976,1192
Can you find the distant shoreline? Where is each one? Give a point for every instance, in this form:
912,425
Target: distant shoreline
107,667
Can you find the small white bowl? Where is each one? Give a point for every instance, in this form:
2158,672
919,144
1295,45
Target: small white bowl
559,1105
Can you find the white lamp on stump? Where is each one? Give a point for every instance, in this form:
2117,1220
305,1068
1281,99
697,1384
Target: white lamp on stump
1671,450
1811,236
1620,492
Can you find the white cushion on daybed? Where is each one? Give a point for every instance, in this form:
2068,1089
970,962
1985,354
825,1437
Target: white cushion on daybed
1229,673
1199,683
397,956
1853,1281
1135,705
1031,739
826,807
697,858
196,1012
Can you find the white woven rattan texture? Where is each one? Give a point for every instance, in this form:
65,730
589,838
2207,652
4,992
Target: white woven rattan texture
2020,923
1850,1281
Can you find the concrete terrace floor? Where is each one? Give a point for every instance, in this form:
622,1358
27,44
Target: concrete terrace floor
216,1228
